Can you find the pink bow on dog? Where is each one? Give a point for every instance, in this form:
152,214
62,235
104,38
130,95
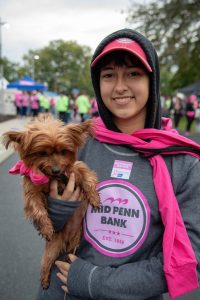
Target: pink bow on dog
20,168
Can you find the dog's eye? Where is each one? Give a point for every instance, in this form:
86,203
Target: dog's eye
64,152
42,153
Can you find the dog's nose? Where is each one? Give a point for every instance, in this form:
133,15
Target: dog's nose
55,170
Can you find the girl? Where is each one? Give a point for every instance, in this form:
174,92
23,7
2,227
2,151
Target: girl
135,246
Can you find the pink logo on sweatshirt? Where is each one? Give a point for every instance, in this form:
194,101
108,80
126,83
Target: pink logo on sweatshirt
120,225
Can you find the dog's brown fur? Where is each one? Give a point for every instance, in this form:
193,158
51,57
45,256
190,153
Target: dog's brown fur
50,147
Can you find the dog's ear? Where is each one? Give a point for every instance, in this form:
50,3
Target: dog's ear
87,127
12,138
79,132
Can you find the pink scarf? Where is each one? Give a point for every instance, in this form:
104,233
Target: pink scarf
20,168
179,259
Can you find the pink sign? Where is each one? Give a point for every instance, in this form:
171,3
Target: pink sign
120,225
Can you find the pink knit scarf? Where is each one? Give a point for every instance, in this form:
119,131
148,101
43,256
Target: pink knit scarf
179,259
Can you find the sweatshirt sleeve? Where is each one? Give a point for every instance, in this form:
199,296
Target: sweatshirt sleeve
140,280
188,196
59,211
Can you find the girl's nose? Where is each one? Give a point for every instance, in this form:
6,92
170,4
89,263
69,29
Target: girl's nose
120,86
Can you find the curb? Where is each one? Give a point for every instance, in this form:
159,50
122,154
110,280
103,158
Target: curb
5,155
13,124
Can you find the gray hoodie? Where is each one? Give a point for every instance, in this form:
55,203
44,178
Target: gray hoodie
120,255
133,271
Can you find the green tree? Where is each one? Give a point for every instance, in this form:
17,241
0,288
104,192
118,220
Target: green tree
165,82
11,70
173,27
63,65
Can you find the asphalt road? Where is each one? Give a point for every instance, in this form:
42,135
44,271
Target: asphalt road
20,245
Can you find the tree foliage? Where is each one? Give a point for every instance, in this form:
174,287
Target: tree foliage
173,26
11,70
63,65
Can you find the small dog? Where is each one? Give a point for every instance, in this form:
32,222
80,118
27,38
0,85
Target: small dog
49,149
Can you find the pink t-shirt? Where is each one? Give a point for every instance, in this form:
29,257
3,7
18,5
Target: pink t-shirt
18,99
25,100
34,101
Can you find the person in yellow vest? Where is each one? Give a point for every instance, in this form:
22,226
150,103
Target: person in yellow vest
62,106
83,106
44,103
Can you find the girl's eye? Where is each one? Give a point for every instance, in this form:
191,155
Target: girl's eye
135,73
106,75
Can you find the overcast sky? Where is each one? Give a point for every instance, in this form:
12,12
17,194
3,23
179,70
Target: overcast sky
34,23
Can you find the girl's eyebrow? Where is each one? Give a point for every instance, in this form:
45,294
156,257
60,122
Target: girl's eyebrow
129,67
106,68
134,66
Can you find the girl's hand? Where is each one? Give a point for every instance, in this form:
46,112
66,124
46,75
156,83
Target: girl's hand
70,192
64,268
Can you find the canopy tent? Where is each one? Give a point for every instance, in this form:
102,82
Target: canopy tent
26,84
191,89
3,83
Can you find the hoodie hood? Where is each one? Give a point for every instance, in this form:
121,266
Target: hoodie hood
153,118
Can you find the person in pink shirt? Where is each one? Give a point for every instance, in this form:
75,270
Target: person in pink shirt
190,113
25,103
18,103
34,104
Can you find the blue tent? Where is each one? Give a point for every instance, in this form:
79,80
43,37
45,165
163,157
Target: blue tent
26,84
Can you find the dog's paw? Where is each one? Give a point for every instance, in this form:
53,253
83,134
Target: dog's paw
47,233
45,282
95,199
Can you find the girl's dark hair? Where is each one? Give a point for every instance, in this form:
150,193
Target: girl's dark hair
153,117
120,58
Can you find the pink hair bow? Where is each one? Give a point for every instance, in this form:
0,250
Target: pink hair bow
20,168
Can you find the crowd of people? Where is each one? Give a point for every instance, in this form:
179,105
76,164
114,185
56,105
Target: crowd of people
67,108
180,107
80,107
32,103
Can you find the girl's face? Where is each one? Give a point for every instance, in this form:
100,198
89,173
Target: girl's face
125,92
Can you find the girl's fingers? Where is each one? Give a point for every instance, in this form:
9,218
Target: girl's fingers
64,269
62,277
69,188
54,189
70,192
72,257
76,195
64,288
62,265
63,272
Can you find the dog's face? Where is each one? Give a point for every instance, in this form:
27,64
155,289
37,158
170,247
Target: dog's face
49,146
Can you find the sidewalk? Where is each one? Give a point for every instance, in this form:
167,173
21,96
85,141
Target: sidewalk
14,124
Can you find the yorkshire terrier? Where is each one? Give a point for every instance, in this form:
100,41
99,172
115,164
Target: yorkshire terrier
48,150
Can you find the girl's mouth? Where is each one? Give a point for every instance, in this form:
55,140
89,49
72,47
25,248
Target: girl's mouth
123,100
